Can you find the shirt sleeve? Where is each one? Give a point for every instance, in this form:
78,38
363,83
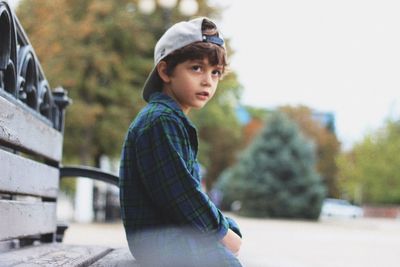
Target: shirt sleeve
161,153
234,226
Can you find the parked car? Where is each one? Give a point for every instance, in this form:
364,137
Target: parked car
332,207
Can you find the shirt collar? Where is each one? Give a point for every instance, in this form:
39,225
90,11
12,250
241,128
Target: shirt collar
161,98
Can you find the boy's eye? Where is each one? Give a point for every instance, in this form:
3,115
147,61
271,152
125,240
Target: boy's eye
196,67
217,73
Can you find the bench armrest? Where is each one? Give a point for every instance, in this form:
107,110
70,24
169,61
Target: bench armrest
88,172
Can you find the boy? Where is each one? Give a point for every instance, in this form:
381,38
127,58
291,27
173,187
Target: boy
168,219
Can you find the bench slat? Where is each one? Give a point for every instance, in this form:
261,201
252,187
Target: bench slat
24,176
120,257
20,219
22,129
54,255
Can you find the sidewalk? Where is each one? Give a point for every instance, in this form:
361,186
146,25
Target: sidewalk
283,243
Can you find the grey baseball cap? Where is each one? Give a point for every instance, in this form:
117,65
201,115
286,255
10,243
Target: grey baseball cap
179,35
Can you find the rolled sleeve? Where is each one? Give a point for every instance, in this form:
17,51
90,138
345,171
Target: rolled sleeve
162,157
234,226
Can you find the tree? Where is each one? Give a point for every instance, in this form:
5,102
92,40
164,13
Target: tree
370,172
323,135
276,175
251,129
256,123
89,47
101,51
327,144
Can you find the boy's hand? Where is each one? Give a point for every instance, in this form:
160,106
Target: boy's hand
232,241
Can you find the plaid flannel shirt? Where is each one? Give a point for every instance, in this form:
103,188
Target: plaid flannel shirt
160,189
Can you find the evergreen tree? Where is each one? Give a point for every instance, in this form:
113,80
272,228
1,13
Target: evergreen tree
326,141
276,175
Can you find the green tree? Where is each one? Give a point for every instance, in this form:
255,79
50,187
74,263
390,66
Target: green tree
276,175
370,172
327,144
89,47
101,51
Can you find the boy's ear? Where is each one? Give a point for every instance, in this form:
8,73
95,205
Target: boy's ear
162,71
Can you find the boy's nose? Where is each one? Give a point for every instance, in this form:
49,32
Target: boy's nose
207,79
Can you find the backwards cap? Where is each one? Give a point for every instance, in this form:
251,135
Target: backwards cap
179,35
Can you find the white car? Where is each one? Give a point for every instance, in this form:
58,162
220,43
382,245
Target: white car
340,208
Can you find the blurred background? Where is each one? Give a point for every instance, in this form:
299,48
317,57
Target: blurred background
300,143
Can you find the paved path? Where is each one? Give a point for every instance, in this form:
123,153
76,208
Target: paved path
282,243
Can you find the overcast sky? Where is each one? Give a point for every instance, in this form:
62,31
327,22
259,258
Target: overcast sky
339,56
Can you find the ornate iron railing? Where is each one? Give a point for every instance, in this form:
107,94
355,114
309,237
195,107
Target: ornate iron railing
22,79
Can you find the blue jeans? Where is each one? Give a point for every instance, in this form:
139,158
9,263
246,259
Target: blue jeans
175,247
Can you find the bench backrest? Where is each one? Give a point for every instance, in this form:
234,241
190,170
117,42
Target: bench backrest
31,137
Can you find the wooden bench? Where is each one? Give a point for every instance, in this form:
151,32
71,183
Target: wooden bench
31,139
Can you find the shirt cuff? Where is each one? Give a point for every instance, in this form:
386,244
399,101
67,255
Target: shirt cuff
234,226
223,229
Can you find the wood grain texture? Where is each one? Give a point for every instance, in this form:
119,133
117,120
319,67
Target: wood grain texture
120,257
20,219
24,176
22,129
56,254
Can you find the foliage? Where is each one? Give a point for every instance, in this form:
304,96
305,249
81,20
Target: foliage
68,186
101,51
89,47
276,175
251,129
256,123
370,172
327,144
258,113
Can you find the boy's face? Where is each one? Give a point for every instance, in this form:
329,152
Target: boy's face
193,83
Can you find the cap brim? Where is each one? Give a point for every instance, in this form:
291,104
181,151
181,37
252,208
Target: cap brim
153,84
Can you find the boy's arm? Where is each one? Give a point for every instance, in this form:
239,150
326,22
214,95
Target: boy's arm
160,154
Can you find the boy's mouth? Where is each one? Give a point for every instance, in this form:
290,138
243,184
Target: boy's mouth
203,93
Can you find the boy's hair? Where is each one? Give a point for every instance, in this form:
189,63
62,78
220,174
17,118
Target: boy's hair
215,54
187,40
